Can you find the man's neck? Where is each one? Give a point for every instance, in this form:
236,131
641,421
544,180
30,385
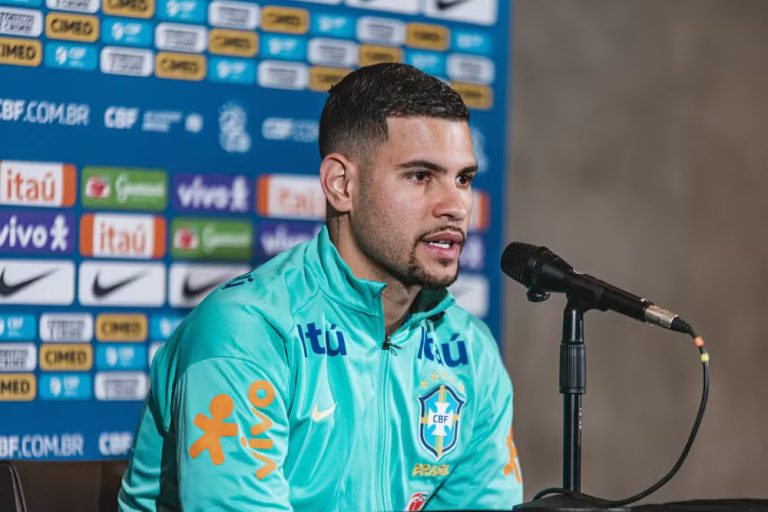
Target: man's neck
396,298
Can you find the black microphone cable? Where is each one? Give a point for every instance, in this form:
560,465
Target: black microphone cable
602,502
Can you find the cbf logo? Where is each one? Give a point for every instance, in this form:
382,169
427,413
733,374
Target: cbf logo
439,414
329,342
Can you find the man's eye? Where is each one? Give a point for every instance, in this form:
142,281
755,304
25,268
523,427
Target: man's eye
419,176
466,179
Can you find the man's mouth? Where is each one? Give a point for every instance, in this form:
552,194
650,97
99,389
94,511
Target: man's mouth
445,240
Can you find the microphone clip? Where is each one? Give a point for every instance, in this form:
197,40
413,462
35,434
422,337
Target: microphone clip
537,295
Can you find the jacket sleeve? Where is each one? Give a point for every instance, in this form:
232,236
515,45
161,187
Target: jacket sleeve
231,426
489,477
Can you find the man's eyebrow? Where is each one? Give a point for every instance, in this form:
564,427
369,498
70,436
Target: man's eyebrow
426,164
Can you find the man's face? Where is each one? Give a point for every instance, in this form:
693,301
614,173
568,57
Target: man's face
411,215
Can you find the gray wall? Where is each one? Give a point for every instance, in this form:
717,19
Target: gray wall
638,154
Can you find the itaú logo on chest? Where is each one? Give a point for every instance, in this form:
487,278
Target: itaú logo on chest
329,342
122,236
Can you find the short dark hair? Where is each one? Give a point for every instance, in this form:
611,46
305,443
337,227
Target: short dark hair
354,119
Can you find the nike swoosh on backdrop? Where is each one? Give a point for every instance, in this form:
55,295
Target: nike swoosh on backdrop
190,292
447,4
102,291
318,415
6,290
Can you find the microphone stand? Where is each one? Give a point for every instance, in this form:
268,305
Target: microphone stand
573,385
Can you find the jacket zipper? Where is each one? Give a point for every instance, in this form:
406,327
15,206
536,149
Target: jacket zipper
383,437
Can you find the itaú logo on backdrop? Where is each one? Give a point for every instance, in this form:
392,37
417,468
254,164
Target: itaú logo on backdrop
122,236
37,184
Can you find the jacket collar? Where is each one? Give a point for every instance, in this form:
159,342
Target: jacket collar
325,262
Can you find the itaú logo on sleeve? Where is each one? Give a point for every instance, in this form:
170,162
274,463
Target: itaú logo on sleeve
290,196
37,184
122,236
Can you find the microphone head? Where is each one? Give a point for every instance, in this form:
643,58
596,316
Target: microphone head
535,267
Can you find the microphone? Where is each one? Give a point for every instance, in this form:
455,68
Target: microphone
543,271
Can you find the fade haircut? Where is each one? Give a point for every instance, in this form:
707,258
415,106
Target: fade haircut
354,119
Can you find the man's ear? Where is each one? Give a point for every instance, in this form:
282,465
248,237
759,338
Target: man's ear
338,177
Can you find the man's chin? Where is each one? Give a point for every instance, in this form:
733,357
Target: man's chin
434,279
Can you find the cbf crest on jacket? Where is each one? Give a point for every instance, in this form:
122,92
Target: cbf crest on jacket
281,391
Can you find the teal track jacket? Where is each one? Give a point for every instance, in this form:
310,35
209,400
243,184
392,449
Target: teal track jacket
280,391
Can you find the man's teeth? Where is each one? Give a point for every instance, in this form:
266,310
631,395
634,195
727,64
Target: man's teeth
444,245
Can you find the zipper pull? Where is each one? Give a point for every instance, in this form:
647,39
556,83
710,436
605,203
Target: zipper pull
388,345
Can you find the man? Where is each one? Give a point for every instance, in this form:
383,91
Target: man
341,375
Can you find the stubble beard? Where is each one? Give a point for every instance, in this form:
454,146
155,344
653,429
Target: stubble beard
380,242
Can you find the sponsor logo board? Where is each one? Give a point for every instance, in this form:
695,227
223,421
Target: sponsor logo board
237,15
20,326
20,52
211,192
121,327
162,326
278,46
429,62
36,282
18,357
175,37
126,32
180,66
481,211
322,78
285,19
65,386
121,357
130,8
380,30
153,348
110,235
121,284
403,6
36,232
72,27
189,283
290,196
235,43
472,41
42,446
473,254
87,6
211,239
286,128
20,22
71,56
373,54
236,71
116,60
190,11
273,237
333,25
37,184
66,327
115,443
474,95
472,293
121,188
481,12
17,387
332,52
282,75
66,356
470,68
428,37
121,385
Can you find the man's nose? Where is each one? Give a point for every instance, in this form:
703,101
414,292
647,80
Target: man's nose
453,203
